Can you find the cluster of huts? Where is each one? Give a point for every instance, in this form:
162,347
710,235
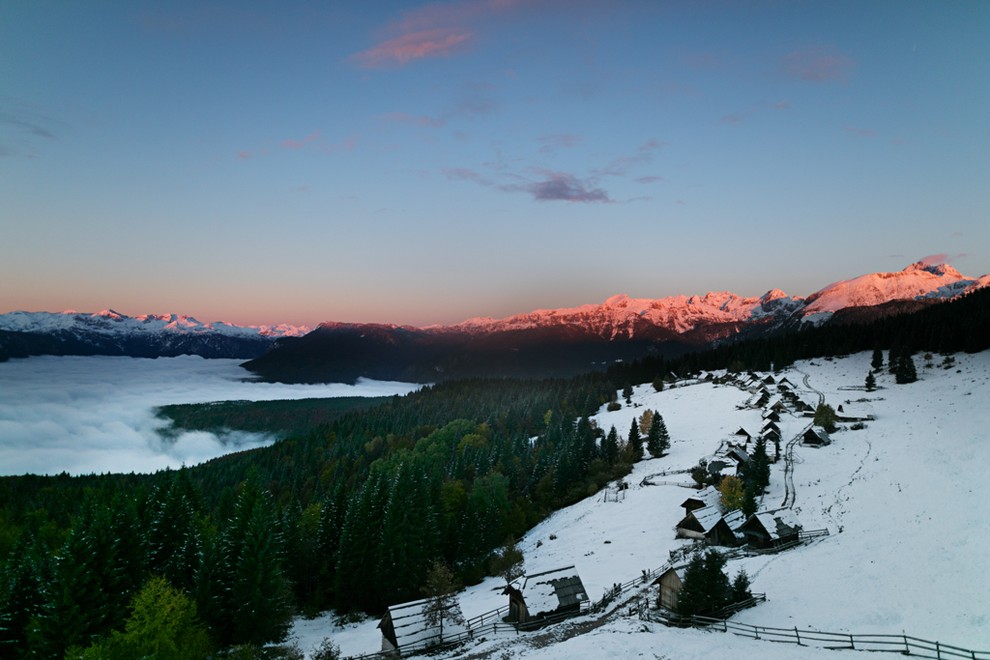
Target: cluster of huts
534,600
705,520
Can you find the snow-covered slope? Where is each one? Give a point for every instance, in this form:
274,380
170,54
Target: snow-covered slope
902,500
917,281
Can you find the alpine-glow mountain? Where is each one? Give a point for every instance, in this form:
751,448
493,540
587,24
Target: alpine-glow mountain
563,342
554,342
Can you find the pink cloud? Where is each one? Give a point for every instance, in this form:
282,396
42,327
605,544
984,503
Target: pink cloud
818,64
299,144
433,30
416,120
244,155
860,132
933,259
563,141
782,105
440,42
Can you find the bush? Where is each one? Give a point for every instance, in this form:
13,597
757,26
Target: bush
327,650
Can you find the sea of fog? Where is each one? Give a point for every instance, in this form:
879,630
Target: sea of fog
86,415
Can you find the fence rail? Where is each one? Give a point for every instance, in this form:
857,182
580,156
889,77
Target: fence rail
903,643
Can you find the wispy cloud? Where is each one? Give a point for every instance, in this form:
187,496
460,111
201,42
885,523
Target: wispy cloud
562,187
856,131
399,51
433,30
550,144
300,144
21,126
643,155
818,64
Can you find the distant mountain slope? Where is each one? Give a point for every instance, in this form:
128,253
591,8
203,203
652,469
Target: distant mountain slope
551,342
563,342
109,333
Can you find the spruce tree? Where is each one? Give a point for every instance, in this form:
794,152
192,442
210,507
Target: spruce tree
610,446
21,595
871,382
634,442
877,362
905,371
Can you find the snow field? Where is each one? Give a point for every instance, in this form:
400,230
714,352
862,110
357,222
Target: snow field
909,534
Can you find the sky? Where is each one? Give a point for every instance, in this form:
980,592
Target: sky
424,163
96,414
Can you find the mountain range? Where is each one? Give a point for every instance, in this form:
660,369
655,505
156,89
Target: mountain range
554,342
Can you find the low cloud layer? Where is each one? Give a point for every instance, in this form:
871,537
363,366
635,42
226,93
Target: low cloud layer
96,414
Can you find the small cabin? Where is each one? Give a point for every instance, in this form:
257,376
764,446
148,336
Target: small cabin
783,382
740,457
670,582
710,525
556,592
407,626
770,426
816,436
771,415
771,529
708,496
743,433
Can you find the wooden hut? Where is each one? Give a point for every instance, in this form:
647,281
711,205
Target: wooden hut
743,433
771,529
708,524
670,582
556,592
406,626
816,436
708,496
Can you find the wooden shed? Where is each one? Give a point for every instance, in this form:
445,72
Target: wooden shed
816,436
708,496
556,592
771,529
710,525
670,582
406,626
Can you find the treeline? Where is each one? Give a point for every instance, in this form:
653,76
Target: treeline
288,417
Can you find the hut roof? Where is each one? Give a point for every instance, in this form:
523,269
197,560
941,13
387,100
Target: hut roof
708,496
816,435
775,525
738,455
551,590
412,628
743,432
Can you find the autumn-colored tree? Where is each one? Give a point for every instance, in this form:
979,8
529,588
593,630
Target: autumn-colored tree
733,493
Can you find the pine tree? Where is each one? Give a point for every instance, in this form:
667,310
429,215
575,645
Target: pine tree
759,466
627,392
871,382
706,588
255,605
905,371
21,595
634,443
610,446
740,587
877,362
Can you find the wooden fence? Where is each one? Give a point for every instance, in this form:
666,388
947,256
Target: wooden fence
904,644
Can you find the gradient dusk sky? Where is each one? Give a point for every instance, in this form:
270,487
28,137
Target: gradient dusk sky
424,163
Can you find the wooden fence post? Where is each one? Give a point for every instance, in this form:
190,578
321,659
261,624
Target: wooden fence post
797,635
852,644
938,651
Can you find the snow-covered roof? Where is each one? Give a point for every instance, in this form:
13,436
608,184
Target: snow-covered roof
550,590
707,517
412,628
777,524
734,519
708,496
817,435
